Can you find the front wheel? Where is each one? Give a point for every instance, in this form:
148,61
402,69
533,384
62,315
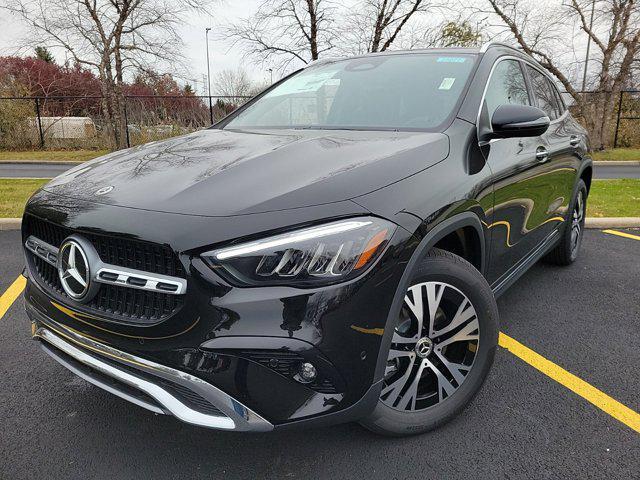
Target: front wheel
442,347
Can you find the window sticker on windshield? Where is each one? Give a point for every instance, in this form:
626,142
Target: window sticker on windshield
446,83
451,59
306,82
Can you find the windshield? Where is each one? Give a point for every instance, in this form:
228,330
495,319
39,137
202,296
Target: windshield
408,91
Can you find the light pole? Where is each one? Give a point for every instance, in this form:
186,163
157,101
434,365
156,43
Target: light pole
586,59
270,70
206,35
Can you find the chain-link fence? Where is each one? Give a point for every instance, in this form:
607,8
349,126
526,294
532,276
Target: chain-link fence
80,122
627,129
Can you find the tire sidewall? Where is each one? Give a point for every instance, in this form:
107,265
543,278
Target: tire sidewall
460,274
580,187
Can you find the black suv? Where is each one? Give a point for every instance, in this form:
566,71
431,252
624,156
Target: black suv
329,252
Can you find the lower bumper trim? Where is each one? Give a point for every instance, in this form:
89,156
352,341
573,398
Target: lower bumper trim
233,415
99,381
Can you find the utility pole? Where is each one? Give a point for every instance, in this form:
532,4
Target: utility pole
586,59
206,34
204,85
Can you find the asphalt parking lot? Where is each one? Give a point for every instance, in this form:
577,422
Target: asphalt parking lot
523,424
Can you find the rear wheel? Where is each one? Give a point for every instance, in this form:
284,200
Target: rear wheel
442,347
566,252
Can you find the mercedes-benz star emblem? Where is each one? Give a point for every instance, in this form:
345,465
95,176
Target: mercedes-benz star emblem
73,269
424,347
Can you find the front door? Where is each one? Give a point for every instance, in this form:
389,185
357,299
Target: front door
521,189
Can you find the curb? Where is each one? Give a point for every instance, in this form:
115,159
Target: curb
612,222
10,223
590,222
616,163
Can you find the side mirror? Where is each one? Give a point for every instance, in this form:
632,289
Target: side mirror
518,121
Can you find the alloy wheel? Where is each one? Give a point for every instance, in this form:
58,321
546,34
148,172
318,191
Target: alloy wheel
433,349
577,223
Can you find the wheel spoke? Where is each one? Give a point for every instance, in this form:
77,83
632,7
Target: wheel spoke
444,385
465,313
410,396
416,306
395,389
458,370
578,214
394,353
465,334
434,296
397,338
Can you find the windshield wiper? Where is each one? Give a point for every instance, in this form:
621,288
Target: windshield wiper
359,129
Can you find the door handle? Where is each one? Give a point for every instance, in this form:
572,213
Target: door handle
542,154
574,141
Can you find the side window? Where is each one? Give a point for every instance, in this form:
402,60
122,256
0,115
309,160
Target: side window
506,85
543,93
559,101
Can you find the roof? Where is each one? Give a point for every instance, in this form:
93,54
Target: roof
447,50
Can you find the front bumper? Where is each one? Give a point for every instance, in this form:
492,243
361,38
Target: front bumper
245,342
156,387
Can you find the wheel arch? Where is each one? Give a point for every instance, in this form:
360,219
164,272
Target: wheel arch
436,233
586,174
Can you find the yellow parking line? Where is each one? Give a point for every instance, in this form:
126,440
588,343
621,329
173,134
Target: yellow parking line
8,297
621,234
598,398
590,393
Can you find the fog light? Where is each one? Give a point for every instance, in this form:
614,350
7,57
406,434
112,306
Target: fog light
307,373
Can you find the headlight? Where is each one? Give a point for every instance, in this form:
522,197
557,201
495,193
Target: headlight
329,253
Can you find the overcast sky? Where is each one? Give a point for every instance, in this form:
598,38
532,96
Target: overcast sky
222,55
193,34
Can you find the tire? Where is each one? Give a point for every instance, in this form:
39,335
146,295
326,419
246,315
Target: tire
448,280
566,252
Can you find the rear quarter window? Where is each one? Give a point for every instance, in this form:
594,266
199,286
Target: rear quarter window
544,93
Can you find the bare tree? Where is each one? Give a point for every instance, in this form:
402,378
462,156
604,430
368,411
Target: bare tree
390,17
285,31
376,25
615,33
234,84
109,36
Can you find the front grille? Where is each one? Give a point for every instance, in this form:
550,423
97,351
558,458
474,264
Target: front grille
115,302
146,256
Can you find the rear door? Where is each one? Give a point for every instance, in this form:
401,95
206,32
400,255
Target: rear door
562,141
521,190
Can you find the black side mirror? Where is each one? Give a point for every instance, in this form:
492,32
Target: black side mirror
518,121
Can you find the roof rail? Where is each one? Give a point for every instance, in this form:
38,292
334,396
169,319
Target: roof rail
485,46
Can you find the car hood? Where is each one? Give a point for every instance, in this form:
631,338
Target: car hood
223,173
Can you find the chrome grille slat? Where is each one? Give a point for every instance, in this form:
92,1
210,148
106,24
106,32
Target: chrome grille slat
42,249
